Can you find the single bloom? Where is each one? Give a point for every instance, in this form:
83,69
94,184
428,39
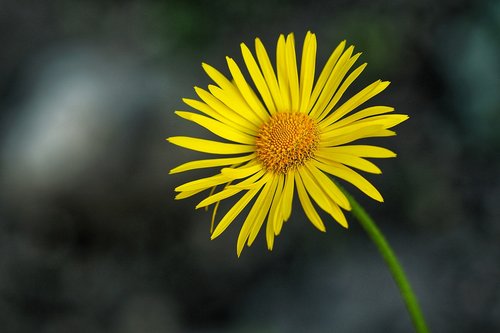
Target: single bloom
285,131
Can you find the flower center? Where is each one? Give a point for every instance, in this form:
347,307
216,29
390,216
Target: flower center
286,141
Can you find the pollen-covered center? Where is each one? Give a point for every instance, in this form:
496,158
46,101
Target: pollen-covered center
287,140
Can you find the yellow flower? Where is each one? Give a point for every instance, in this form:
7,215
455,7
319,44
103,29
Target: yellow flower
289,134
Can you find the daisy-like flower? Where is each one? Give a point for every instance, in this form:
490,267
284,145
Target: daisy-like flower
285,133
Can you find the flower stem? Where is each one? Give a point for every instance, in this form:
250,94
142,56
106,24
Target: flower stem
394,266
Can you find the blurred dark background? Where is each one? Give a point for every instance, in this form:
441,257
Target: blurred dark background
91,239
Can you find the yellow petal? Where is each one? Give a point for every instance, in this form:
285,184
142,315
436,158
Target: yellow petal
355,101
269,236
218,77
242,171
219,196
256,216
387,121
383,122
336,76
236,103
282,70
272,197
332,138
206,109
307,69
210,163
313,189
350,160
212,191
306,203
227,112
269,74
363,132
354,128
263,211
322,198
275,218
287,197
214,214
187,194
365,113
247,185
258,78
233,212
252,182
340,92
325,74
203,183
329,187
246,91
349,175
338,215
218,128
293,78
361,151
209,146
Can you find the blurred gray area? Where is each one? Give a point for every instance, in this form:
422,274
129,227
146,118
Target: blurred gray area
91,239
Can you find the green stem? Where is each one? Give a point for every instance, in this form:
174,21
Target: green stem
394,266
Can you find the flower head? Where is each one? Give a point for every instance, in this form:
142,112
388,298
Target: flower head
284,132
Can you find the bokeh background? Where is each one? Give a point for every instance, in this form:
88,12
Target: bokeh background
91,239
